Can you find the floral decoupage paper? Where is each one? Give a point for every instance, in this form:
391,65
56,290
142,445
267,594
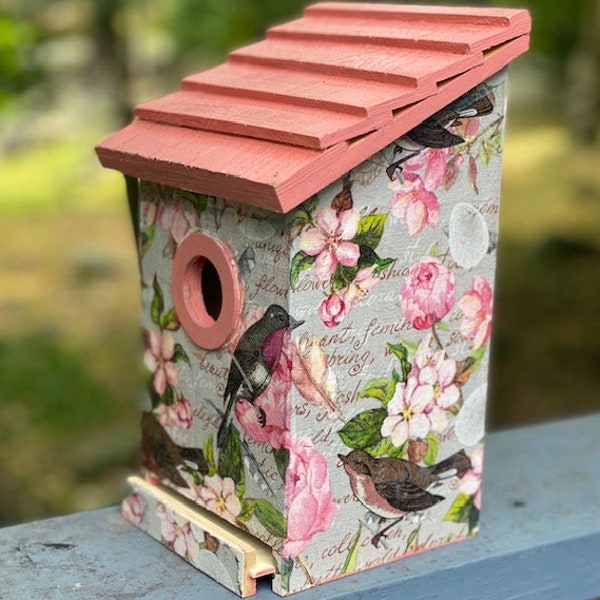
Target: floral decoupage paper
366,442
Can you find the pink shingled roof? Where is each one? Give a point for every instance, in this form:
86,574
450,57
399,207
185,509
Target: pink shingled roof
286,116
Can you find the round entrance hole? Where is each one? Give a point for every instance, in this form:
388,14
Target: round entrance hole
206,290
203,294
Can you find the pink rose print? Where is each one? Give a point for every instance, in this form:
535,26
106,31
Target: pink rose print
308,498
332,310
276,418
133,508
273,402
470,484
158,358
330,241
178,414
217,494
407,418
428,293
175,217
476,306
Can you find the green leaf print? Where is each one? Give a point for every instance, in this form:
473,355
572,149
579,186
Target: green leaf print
370,230
169,320
158,303
463,510
270,518
300,262
433,445
364,429
230,458
376,388
180,354
400,351
349,565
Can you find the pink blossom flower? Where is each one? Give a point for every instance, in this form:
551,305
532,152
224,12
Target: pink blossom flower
336,306
476,306
330,241
406,413
176,532
428,293
308,497
435,373
178,414
332,310
150,212
217,494
133,508
413,203
178,218
158,358
435,163
470,483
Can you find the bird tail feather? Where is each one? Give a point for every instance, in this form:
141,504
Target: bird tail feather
458,463
223,433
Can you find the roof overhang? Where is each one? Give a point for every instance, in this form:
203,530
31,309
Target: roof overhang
285,117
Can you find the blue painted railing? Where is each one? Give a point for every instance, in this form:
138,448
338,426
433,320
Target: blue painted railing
540,538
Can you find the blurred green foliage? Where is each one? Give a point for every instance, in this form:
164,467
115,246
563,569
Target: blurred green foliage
557,24
216,26
17,72
207,28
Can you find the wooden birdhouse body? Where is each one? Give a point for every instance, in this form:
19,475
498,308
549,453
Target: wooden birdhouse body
317,233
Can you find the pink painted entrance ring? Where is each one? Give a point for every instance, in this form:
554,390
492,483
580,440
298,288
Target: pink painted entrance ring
206,290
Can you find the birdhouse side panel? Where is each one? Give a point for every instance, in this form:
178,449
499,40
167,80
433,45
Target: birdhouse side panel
216,417
392,273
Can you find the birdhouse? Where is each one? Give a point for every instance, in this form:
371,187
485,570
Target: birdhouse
317,229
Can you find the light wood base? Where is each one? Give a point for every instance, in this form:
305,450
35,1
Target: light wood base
230,556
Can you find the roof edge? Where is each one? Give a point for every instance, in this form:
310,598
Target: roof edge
310,171
306,183
254,153
449,14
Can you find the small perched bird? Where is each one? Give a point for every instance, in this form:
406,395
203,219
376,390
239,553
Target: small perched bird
393,487
434,132
163,456
253,362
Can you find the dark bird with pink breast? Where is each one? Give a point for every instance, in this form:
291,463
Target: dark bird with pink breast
253,361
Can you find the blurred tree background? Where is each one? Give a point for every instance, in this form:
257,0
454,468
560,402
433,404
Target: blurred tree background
70,351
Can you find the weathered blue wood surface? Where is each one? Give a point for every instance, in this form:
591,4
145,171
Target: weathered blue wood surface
540,538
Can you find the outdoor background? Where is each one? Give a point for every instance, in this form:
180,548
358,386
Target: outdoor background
70,349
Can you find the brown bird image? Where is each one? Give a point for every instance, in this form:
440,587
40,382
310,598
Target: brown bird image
393,487
163,456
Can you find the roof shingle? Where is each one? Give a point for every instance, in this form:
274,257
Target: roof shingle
286,116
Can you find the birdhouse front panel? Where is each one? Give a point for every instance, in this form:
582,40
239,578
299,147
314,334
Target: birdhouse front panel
317,236
210,271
